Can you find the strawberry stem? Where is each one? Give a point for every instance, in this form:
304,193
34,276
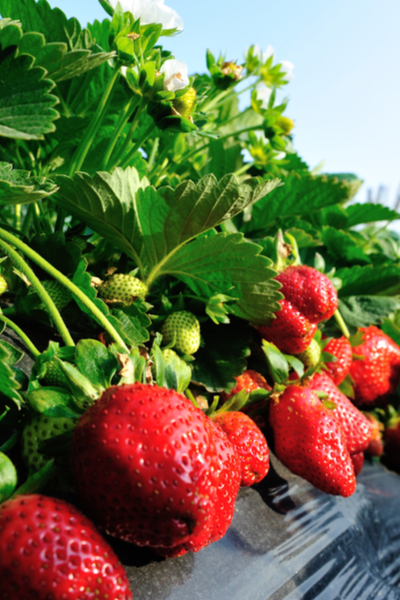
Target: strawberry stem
340,321
27,341
74,289
39,289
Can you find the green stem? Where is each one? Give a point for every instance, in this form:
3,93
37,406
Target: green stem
244,168
28,343
38,287
122,121
83,149
340,321
131,131
137,146
74,289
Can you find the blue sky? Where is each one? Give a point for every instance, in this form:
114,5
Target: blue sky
345,98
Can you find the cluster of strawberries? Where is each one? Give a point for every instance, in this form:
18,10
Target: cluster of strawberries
153,469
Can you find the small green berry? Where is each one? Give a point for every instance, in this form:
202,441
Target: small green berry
123,289
185,328
41,428
3,284
60,295
311,355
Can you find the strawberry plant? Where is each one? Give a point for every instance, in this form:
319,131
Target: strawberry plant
180,280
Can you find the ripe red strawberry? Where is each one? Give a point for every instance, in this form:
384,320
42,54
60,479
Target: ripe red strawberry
310,298
250,381
249,442
391,438
48,549
310,441
377,375
355,425
148,468
358,462
375,446
341,348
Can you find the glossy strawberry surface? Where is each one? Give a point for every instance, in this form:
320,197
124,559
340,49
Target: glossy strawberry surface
310,298
147,467
310,441
377,375
249,442
50,551
355,425
358,462
341,348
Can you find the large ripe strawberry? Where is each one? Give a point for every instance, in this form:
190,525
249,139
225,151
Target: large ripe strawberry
341,348
310,298
147,468
183,327
310,441
49,550
355,425
249,443
377,375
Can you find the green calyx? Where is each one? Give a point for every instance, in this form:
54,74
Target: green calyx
122,289
182,330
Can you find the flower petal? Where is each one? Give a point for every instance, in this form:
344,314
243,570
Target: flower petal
151,11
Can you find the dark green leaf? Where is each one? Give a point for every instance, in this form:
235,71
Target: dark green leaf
8,384
53,402
368,280
342,246
223,356
18,187
135,322
96,362
362,311
278,365
37,481
8,477
369,213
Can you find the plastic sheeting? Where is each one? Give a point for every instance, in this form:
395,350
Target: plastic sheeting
288,541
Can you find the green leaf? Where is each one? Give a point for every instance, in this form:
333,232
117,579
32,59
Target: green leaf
342,246
15,355
171,371
96,362
133,369
135,322
223,356
370,280
37,481
278,365
362,311
26,105
369,213
298,195
18,187
225,263
8,477
8,384
54,402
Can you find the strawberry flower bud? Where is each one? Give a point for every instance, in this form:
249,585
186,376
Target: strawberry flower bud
175,75
151,11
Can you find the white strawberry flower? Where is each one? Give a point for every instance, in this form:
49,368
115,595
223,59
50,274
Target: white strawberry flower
287,67
175,75
263,94
151,11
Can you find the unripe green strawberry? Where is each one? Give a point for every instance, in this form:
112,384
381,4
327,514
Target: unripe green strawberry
3,284
185,328
122,289
184,104
41,428
311,355
285,123
54,375
60,295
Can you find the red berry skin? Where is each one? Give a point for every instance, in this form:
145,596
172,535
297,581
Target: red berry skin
249,442
377,375
355,425
250,381
310,441
290,331
358,462
147,467
310,291
48,549
375,446
341,348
